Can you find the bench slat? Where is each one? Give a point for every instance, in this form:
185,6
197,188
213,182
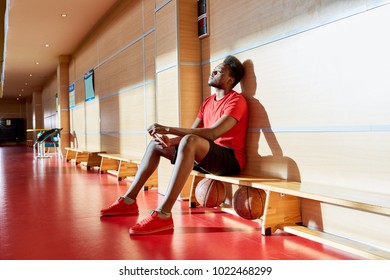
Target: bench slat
117,157
238,180
367,201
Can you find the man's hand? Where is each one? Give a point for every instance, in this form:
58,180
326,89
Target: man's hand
162,140
158,128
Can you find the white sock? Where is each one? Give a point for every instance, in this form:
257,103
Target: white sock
128,200
162,214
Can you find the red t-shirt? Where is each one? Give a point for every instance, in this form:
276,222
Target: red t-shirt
233,104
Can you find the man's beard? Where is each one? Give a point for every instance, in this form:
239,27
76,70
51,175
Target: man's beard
211,84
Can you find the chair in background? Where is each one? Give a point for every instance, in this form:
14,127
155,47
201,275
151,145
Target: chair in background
52,143
52,136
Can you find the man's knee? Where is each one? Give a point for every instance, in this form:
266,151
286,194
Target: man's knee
193,142
152,145
189,140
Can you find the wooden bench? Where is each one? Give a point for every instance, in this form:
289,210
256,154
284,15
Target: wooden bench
123,166
283,208
86,158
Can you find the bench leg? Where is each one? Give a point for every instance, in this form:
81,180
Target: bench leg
126,169
81,157
280,209
93,160
70,155
108,164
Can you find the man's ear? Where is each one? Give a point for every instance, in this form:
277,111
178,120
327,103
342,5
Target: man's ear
231,79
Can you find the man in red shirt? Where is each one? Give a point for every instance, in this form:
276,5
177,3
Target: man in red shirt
215,144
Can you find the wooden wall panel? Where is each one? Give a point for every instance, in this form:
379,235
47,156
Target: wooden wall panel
148,8
233,25
26,111
326,81
65,122
358,160
205,74
121,27
72,70
78,126
11,109
109,122
150,79
92,125
125,127
150,103
189,63
189,45
160,3
79,92
49,97
167,97
110,142
86,57
122,71
166,36
132,144
49,103
150,57
190,94
92,141
37,109
131,110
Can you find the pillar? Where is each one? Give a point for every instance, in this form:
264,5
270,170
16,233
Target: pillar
63,100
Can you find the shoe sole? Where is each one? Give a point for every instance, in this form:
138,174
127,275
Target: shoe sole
118,214
144,232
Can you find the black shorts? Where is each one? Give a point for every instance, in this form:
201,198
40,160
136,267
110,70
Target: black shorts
218,161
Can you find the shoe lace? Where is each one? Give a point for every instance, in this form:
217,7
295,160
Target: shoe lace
147,219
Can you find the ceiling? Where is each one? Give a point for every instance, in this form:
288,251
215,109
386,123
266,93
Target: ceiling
36,34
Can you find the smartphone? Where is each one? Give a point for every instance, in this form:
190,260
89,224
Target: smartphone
159,138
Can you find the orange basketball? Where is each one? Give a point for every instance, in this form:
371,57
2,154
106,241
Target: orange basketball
210,193
249,202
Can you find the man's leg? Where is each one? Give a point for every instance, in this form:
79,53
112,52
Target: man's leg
148,165
192,148
126,205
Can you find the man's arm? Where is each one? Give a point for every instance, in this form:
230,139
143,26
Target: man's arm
223,125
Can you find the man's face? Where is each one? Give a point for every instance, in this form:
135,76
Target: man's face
219,76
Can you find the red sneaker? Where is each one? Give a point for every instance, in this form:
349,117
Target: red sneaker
119,207
152,224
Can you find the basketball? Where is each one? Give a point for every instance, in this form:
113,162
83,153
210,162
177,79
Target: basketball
249,202
210,193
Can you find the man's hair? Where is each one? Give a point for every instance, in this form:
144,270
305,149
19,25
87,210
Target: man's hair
236,68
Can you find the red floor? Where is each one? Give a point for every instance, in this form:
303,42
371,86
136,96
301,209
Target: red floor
49,209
